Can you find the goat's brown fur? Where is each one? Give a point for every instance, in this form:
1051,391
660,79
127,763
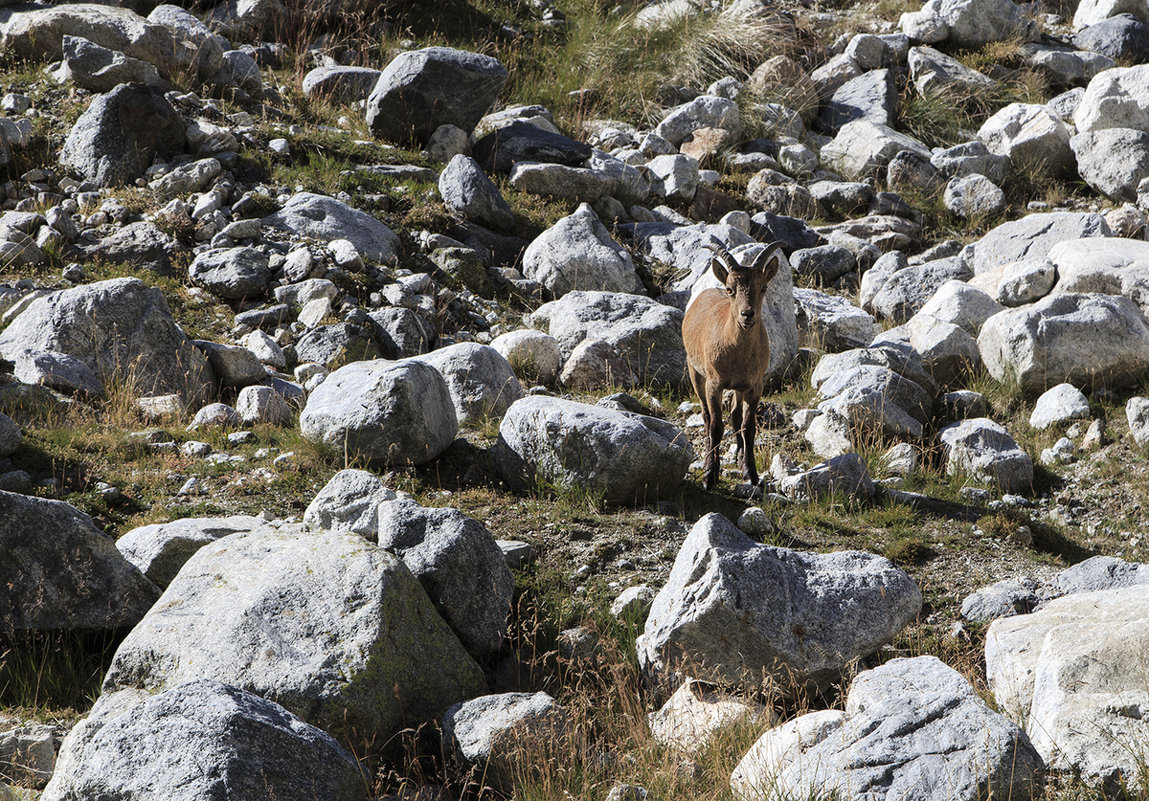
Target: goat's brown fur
727,348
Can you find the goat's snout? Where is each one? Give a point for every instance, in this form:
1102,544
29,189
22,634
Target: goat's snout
746,317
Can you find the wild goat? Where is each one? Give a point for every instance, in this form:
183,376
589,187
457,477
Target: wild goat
727,348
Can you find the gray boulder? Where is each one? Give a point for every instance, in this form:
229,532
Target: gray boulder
647,334
741,613
913,728
10,436
906,291
1121,38
936,74
423,89
1058,405
161,549
973,23
325,219
337,630
961,304
1072,673
577,253
870,96
1114,161
340,84
459,564
533,355
863,147
1090,12
481,381
233,365
1032,136
831,323
974,196
232,274
401,333
1088,340
329,344
706,111
142,245
199,45
265,405
61,573
843,475
121,133
122,329
58,371
99,69
383,412
497,733
1025,281
620,454
984,451
467,190
201,741
1032,236
1015,596
349,502
1115,98
195,176
972,158
503,148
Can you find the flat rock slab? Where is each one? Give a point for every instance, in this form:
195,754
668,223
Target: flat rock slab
737,612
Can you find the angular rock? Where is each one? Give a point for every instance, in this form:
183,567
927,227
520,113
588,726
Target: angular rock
161,549
1032,136
1115,98
324,218
233,273
58,371
1032,236
691,718
423,89
831,323
973,23
141,245
1122,38
159,747
577,253
467,190
503,148
263,405
1114,161
60,573
870,96
481,381
741,613
99,69
459,564
936,74
647,334
974,196
1072,672
401,333
972,158
121,133
349,502
984,450
623,455
961,304
705,111
121,329
496,732
1088,340
912,728
340,84
1025,281
1016,596
383,412
863,147
906,291
336,629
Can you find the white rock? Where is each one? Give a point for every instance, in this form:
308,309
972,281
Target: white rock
1058,405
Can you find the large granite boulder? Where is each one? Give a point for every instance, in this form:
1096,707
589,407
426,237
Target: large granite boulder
60,573
335,629
623,455
737,612
1086,339
913,728
423,89
159,550
201,741
122,329
325,219
383,412
577,253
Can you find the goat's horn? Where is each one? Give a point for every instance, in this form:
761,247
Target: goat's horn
729,261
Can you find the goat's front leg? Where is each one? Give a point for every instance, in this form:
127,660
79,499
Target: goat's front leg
746,434
713,403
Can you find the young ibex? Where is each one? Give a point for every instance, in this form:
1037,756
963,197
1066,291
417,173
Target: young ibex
727,348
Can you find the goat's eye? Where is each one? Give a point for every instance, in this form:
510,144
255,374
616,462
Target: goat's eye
730,291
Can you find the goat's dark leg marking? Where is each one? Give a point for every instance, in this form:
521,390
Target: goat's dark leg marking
712,400
746,437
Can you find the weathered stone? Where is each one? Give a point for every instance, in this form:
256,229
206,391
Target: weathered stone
533,355
742,613
324,218
577,253
340,84
1114,161
691,718
984,450
465,189
1032,136
481,381
345,636
383,412
1032,237
60,573
161,549
620,454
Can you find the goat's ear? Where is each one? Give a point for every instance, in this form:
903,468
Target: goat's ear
770,260
718,269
